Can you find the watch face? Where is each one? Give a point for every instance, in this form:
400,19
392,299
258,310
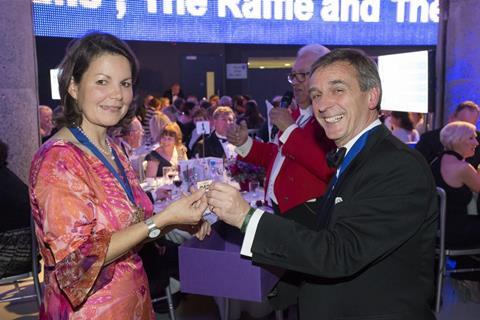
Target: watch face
154,233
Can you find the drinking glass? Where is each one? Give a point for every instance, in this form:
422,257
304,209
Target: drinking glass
253,188
177,182
169,173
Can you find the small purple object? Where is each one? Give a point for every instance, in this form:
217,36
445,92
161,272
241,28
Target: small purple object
214,267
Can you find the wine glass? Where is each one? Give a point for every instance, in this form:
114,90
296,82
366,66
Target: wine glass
169,173
253,188
177,182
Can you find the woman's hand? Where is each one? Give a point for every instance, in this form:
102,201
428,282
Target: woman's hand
187,210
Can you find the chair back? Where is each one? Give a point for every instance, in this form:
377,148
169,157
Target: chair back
442,208
25,258
443,252
36,266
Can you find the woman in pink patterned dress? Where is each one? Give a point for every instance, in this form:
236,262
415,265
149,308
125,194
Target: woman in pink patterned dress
90,212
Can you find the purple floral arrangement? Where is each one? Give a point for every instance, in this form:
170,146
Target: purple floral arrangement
241,172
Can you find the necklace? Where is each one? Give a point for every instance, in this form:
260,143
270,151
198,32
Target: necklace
108,152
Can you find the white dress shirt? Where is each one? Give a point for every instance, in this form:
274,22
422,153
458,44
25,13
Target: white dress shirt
228,148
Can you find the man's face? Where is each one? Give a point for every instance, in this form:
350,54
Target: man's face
467,115
46,120
339,105
221,123
301,68
175,89
135,135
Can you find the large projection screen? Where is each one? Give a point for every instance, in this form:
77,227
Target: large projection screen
405,81
329,22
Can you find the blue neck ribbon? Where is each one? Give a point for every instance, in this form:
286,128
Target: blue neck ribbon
351,154
123,182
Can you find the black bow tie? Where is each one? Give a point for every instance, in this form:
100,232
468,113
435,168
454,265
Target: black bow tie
222,140
335,157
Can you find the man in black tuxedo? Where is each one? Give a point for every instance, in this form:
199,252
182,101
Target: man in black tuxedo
429,144
370,253
174,93
216,144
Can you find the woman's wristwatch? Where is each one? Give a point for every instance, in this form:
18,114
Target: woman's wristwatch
153,231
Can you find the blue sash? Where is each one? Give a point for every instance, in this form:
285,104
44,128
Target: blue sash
123,182
351,154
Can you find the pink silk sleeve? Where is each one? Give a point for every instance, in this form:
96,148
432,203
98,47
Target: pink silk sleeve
68,210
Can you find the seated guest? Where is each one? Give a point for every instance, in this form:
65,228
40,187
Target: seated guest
216,144
45,114
204,104
174,109
157,124
214,100
164,102
238,102
225,101
418,121
403,127
252,116
198,115
429,144
192,98
15,231
131,137
458,178
184,119
146,112
170,151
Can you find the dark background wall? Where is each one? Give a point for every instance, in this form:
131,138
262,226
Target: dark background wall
163,63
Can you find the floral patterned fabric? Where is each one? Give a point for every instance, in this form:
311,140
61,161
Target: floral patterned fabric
77,204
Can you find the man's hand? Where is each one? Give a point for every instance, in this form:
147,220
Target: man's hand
227,203
281,117
237,134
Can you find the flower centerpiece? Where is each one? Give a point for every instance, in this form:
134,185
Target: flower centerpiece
244,172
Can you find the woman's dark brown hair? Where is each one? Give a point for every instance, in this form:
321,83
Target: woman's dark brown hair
80,54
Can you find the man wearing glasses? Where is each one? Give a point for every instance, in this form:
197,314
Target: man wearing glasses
297,172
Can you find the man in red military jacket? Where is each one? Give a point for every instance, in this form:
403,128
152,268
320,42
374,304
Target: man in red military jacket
296,168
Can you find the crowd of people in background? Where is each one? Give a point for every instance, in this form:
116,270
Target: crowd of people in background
155,113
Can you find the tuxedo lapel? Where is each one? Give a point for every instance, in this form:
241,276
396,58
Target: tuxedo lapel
379,134
328,201
216,148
